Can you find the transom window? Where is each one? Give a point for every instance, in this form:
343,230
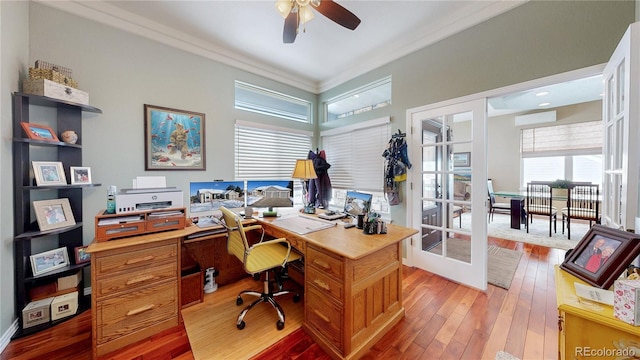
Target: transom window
268,102
366,98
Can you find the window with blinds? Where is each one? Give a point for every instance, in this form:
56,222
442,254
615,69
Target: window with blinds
268,102
585,137
355,155
267,152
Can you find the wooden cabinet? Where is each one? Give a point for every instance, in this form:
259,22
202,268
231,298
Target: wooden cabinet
351,303
588,329
28,238
136,289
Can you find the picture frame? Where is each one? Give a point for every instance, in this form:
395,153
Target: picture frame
39,132
80,175
81,254
49,173
53,214
173,139
49,260
602,255
461,159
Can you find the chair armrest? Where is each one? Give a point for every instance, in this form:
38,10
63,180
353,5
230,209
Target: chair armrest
276,241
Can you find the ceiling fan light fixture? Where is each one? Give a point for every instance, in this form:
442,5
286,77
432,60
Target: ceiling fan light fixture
284,7
305,14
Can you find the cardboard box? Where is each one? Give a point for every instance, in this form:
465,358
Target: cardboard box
69,282
64,305
626,301
52,89
36,313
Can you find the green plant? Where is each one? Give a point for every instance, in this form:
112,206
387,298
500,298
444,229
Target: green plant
560,184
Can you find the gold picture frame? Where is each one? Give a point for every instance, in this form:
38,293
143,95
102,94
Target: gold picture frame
53,214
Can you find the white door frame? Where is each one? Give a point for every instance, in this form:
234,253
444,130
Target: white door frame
549,80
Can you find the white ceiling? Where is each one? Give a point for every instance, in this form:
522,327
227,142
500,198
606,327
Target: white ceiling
248,34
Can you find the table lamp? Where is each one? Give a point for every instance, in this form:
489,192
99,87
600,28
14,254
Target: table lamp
304,171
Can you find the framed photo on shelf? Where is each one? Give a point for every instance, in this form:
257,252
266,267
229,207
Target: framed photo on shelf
461,159
602,255
80,175
49,173
53,214
39,132
173,139
49,260
81,255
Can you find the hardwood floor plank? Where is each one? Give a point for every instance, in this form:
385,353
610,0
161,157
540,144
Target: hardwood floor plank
442,320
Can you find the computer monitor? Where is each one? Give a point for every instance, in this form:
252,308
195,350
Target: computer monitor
270,194
357,203
206,197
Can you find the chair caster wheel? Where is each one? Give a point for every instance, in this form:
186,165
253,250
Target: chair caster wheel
296,298
241,325
279,324
239,301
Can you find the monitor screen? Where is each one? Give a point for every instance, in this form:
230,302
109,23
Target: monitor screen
206,197
270,193
357,203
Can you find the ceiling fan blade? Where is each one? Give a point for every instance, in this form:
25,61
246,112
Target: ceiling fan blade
290,28
338,14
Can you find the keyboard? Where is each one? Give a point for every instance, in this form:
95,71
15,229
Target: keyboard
333,216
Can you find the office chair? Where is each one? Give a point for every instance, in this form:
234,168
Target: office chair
261,257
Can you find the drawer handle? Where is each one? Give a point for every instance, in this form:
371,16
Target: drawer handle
322,284
322,316
137,260
141,310
321,264
140,279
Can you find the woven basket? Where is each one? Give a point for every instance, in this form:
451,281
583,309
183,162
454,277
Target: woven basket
60,78
49,66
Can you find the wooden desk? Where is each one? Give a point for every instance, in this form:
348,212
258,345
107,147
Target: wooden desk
353,286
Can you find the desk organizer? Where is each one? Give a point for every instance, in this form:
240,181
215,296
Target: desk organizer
113,226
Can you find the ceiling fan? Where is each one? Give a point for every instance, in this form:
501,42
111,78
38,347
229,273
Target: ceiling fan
296,12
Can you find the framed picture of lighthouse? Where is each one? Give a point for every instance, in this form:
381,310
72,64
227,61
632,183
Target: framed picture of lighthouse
174,139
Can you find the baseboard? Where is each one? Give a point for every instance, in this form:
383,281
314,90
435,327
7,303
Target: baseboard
6,337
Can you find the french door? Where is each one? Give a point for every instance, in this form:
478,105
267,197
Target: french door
448,193
620,114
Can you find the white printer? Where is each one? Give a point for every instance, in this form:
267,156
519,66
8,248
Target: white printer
145,199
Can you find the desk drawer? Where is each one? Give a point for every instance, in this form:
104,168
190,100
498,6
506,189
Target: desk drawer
136,311
136,259
135,279
324,316
323,283
324,262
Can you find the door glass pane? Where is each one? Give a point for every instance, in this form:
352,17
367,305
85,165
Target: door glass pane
620,105
609,100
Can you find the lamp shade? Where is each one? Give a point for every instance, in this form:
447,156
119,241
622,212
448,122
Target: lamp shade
304,170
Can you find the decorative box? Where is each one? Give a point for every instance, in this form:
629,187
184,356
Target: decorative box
626,301
43,291
64,305
52,89
69,282
36,313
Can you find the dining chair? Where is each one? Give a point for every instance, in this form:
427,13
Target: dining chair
583,202
494,206
539,203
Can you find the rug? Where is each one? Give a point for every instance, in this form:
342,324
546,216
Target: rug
501,263
211,325
500,227
501,355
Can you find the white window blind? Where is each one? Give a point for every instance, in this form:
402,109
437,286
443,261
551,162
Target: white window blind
355,155
585,137
265,152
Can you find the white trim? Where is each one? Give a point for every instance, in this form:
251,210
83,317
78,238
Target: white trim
272,127
357,126
6,337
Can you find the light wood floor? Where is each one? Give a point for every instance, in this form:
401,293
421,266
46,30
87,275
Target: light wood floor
443,320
